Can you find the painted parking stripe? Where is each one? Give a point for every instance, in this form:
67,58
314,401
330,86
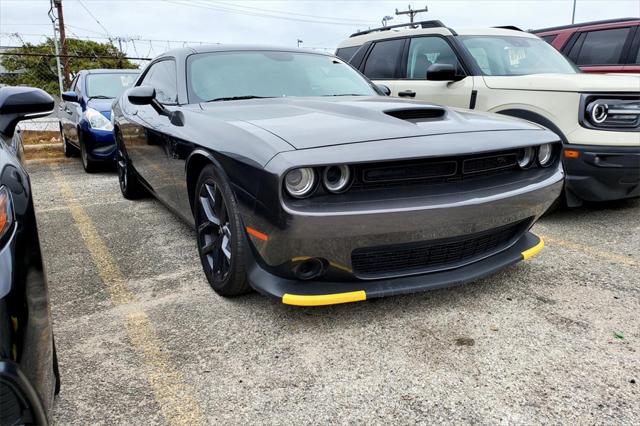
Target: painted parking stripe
592,251
171,392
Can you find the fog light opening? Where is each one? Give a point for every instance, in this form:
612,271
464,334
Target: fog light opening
310,269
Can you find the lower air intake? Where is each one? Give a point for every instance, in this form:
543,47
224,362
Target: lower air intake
432,255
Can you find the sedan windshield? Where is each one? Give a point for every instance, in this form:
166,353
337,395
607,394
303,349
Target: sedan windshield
109,85
221,76
509,55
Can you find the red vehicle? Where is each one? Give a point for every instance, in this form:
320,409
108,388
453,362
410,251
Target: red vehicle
610,46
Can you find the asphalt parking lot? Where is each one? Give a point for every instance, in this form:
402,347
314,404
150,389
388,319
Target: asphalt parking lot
142,339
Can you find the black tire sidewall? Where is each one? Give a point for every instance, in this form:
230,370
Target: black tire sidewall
236,282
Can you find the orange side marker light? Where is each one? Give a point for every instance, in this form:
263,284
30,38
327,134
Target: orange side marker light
570,153
259,235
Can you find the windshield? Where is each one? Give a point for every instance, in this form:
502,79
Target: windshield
509,55
109,85
228,75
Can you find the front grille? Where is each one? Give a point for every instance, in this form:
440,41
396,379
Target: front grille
425,256
433,171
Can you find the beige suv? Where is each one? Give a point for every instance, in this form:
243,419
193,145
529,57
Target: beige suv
508,71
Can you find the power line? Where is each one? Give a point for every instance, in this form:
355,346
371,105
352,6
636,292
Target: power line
257,14
361,21
93,16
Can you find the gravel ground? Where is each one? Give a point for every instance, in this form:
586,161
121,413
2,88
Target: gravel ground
143,340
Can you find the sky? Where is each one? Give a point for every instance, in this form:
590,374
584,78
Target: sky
319,24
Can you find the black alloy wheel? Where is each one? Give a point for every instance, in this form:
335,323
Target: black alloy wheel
220,239
130,186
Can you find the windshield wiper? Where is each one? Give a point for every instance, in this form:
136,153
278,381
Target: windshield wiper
347,94
100,97
238,98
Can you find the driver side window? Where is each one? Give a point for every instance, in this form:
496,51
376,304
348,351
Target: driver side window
162,77
426,51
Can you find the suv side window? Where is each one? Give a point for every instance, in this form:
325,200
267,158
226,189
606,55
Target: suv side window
603,47
162,77
384,59
549,38
346,53
426,51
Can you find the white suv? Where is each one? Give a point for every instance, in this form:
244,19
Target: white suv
508,71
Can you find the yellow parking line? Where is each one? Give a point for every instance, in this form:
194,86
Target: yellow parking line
591,251
176,402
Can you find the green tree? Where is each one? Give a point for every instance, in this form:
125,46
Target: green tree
35,64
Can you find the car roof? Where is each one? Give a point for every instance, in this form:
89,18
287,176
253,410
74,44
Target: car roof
210,48
112,71
604,23
357,40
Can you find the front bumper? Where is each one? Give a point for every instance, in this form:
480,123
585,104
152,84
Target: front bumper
307,293
601,173
333,231
100,144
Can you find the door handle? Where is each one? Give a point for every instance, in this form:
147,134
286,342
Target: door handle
407,94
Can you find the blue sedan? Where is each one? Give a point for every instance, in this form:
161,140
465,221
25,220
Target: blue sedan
85,114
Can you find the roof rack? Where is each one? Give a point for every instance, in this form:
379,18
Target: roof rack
583,24
509,27
422,24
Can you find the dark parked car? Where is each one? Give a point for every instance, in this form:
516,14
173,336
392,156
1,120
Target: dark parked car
304,182
28,366
85,114
611,46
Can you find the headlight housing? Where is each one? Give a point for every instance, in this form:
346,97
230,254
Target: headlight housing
6,212
336,178
611,113
300,182
526,157
97,120
545,155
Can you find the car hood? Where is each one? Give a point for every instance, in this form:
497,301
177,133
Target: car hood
101,105
316,122
581,82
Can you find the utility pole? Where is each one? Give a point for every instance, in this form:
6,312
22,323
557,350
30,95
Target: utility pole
573,16
120,52
412,12
55,46
63,43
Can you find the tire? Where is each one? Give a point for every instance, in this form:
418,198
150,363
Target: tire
130,185
221,245
69,151
89,165
56,368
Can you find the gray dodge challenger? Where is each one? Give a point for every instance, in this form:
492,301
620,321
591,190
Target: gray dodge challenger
306,183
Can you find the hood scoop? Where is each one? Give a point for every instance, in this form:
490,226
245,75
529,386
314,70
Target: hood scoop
417,115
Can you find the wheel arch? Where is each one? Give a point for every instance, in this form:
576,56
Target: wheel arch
197,161
535,118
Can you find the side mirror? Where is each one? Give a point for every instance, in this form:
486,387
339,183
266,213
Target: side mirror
141,95
443,72
21,103
384,89
146,95
70,96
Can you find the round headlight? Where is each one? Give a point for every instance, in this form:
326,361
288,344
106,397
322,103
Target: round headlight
336,178
545,155
300,182
598,112
526,157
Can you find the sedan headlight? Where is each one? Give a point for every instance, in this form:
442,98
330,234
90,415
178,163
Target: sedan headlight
545,155
337,178
526,157
610,113
6,212
97,120
301,182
